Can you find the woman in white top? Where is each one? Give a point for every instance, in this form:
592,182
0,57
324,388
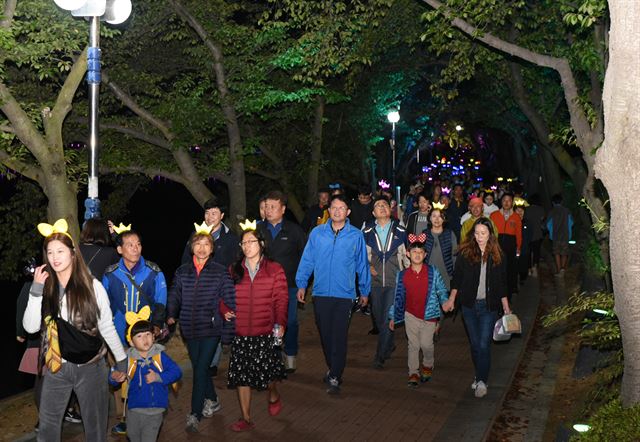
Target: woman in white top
71,309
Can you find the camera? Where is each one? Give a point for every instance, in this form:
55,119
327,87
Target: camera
30,268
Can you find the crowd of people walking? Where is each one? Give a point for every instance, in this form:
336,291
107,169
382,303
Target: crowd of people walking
446,246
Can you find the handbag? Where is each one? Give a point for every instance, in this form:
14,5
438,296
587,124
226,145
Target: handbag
76,346
512,323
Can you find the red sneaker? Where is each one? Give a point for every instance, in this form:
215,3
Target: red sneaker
275,407
242,425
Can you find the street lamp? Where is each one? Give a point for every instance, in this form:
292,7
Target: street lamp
393,117
113,12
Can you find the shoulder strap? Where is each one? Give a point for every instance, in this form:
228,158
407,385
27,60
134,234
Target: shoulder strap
147,298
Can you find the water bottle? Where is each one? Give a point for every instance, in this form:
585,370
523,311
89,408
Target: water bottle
277,339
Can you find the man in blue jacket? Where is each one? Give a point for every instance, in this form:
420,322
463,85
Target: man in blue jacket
334,254
385,239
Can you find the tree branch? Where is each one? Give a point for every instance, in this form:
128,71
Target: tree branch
587,139
149,172
9,11
32,172
22,125
7,128
156,141
129,102
53,119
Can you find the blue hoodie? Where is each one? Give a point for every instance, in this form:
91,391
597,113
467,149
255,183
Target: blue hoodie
155,394
334,261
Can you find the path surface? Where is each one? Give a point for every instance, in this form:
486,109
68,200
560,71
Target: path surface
373,404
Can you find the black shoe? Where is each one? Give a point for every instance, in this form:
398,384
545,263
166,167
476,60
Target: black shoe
378,364
334,386
72,417
213,371
373,331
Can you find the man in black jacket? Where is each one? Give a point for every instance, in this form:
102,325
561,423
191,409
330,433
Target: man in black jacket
285,242
226,243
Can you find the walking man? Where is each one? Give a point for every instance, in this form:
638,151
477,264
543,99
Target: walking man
334,254
285,242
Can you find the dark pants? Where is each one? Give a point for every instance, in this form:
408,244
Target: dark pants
201,352
291,333
508,245
381,299
479,322
332,319
535,251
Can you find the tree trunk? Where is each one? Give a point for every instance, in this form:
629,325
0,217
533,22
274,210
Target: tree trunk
63,202
617,166
316,150
192,180
237,181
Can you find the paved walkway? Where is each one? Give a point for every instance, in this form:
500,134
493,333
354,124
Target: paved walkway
373,404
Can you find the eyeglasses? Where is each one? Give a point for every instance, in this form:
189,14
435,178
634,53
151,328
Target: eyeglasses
338,209
247,242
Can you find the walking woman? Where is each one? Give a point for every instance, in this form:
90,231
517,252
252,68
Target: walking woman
479,279
199,288
261,316
71,308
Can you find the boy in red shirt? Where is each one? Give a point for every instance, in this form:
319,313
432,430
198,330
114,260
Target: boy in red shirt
420,293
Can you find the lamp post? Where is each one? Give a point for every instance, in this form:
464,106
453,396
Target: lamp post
393,117
113,12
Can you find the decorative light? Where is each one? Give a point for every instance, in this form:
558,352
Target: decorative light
458,127
383,184
70,5
119,12
393,116
600,311
581,428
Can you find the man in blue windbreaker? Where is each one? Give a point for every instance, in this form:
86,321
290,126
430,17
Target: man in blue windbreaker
334,254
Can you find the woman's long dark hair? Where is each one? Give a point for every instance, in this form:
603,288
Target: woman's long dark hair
82,307
470,249
237,269
95,231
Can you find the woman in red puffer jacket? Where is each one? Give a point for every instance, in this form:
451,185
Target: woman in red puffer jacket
262,299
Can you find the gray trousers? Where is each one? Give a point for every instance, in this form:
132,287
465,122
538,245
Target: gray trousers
143,427
90,384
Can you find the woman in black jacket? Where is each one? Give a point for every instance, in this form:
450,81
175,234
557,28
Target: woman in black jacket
199,287
479,279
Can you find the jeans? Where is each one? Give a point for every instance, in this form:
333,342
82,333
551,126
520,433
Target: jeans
333,316
90,384
381,299
479,322
291,334
201,352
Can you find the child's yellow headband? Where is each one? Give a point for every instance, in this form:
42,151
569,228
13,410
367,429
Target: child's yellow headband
133,317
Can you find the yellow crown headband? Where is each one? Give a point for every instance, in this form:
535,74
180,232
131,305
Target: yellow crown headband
121,228
202,228
520,202
59,226
249,225
132,317
438,206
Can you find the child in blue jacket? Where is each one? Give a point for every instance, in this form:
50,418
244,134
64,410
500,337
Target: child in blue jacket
420,292
150,373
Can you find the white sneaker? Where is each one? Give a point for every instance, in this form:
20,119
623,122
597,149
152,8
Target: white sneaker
210,407
481,389
291,364
192,423
474,384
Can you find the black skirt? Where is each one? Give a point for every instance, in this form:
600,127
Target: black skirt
255,362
